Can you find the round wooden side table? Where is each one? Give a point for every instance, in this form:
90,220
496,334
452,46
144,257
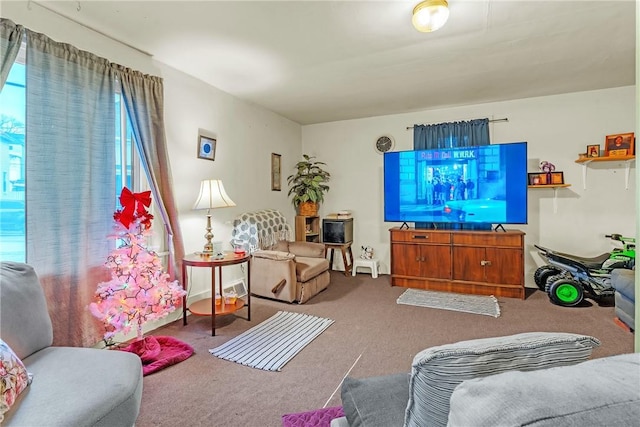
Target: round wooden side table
207,306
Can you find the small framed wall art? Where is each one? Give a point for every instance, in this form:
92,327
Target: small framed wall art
276,181
593,150
621,144
206,147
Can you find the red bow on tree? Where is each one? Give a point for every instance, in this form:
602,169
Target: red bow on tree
134,205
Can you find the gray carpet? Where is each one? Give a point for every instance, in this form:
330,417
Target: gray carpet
272,343
476,304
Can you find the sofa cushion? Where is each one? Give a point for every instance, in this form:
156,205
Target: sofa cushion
307,249
308,268
13,378
598,392
436,371
79,386
375,401
25,324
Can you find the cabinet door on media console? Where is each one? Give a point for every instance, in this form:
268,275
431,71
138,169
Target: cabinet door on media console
489,257
491,265
422,260
421,254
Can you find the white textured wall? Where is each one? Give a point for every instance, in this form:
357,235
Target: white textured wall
556,128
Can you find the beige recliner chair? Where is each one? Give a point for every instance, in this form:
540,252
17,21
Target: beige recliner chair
290,271
280,269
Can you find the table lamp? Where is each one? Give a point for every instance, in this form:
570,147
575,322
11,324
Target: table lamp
212,195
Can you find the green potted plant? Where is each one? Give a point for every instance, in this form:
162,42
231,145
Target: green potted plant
308,185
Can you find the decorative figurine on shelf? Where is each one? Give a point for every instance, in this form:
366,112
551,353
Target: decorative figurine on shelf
139,289
547,167
367,252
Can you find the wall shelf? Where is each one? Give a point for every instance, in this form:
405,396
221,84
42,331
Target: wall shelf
555,192
625,159
549,186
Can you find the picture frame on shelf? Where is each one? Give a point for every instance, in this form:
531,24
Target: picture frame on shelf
537,178
206,147
557,178
276,175
621,144
593,150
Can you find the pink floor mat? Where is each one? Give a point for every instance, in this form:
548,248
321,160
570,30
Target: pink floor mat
159,352
318,418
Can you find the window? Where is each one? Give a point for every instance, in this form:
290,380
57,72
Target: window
12,162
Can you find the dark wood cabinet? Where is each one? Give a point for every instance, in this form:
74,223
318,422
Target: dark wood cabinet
474,262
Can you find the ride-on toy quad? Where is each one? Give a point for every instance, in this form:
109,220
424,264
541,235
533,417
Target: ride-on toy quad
566,278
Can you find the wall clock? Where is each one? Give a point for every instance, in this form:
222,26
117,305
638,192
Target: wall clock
384,143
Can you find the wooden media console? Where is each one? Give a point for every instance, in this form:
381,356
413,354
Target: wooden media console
462,261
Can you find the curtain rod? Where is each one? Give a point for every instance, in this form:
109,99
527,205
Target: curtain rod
39,3
506,119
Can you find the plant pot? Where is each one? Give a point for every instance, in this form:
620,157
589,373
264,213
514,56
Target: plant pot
308,209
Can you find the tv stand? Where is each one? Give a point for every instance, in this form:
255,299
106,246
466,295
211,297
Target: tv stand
404,225
498,227
462,261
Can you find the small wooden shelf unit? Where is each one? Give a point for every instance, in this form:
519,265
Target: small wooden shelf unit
307,228
469,262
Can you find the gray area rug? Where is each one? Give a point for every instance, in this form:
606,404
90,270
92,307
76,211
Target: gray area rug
272,343
476,304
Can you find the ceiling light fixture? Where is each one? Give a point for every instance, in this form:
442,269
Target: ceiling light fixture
430,15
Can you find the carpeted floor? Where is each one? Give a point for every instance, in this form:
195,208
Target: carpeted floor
371,335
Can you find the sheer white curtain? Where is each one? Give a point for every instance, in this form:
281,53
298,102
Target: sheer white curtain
70,164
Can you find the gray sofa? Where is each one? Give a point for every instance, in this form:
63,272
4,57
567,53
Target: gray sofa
537,379
624,283
71,386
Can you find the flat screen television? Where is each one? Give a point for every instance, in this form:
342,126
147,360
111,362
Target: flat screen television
472,185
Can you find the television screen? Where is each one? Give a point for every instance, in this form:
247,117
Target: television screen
481,184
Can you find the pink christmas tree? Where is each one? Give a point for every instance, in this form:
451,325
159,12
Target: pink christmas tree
139,289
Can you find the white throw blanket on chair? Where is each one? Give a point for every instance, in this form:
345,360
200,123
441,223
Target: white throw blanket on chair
260,229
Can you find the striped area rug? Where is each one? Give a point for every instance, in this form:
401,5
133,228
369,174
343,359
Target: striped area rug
476,304
272,343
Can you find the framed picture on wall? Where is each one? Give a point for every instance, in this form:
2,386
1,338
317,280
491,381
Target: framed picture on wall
619,144
593,150
276,180
206,148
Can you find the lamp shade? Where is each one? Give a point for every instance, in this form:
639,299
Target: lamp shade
212,195
430,15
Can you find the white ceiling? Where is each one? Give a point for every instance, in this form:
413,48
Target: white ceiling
320,61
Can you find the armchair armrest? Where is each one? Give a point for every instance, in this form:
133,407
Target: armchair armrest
307,249
274,255
269,269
